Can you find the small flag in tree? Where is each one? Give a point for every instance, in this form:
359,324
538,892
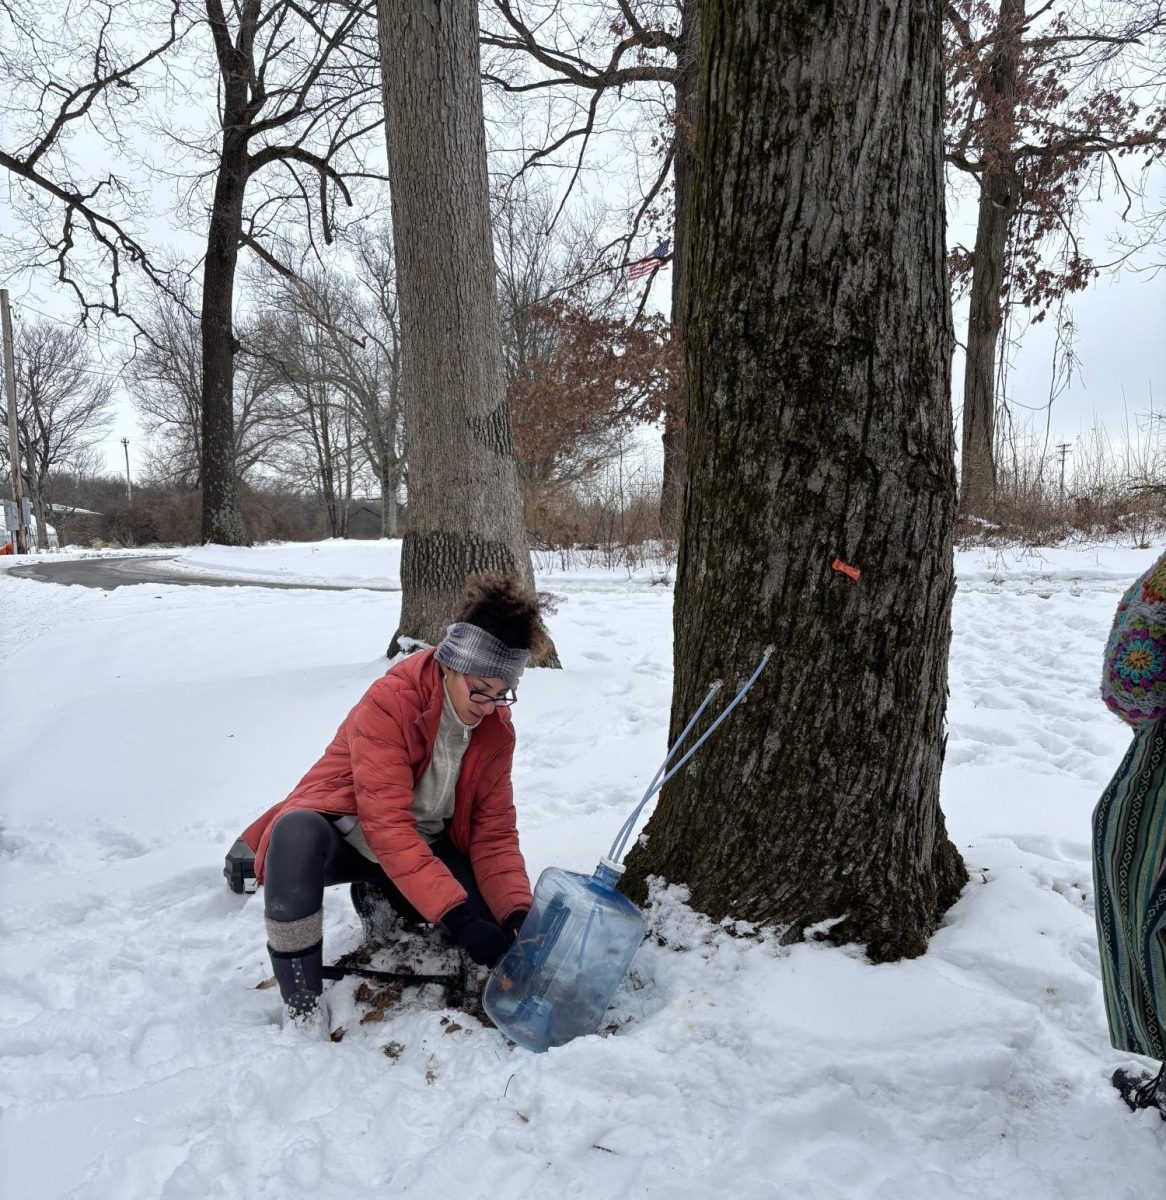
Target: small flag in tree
654,261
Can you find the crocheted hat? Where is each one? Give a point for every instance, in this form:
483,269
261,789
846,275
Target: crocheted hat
1133,682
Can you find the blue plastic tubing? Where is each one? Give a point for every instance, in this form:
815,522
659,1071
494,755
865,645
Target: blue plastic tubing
621,838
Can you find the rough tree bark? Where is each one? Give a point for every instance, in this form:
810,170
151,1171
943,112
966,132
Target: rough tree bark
818,334
222,512
389,504
465,507
683,157
999,196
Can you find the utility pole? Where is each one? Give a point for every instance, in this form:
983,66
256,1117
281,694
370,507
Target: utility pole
129,486
1065,449
13,439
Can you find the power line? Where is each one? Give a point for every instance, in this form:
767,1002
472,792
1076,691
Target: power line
73,325
117,375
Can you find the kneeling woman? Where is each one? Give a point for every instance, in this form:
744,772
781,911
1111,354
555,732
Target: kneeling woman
412,797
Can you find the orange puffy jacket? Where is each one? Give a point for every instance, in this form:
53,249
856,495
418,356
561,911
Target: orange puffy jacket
370,768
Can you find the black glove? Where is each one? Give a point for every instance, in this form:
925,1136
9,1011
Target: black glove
513,923
482,940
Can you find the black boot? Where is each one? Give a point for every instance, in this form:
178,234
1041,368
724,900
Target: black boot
301,986
380,919
1141,1090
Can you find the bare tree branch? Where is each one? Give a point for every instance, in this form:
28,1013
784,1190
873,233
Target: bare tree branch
52,108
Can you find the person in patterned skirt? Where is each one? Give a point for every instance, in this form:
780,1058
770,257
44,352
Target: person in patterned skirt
1129,843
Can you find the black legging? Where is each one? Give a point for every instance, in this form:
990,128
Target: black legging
307,853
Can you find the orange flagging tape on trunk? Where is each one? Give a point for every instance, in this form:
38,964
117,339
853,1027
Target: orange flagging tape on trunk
847,569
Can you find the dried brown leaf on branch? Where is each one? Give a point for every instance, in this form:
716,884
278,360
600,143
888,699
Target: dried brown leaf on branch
602,374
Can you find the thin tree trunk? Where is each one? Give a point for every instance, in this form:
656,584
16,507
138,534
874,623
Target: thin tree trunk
818,334
465,507
999,198
388,501
42,524
349,465
222,514
683,160
322,420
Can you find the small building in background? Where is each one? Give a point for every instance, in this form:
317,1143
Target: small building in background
69,525
75,526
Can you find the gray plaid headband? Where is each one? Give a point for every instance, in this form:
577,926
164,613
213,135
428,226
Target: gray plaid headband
473,651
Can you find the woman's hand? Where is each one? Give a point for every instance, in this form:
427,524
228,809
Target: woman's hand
482,940
513,923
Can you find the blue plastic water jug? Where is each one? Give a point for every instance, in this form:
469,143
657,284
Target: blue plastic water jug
578,940
558,978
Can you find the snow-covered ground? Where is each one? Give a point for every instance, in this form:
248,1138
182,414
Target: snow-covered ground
143,727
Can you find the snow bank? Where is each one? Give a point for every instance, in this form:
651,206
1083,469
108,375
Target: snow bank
337,561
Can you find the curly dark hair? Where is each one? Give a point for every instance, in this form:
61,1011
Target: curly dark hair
504,609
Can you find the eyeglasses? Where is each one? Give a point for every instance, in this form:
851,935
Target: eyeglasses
505,700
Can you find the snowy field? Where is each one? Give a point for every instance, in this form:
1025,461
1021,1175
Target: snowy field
144,727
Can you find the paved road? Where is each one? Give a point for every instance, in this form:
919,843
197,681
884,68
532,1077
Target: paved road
110,573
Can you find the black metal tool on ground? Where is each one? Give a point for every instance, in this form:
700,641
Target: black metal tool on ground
461,982
405,978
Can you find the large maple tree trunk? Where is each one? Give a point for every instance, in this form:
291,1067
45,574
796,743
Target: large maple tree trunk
819,337
465,507
683,157
999,198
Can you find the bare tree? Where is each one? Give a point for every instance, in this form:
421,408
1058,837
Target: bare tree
72,75
166,380
595,60
465,507
531,269
330,351
299,89
579,373
1045,103
318,452
319,374
298,93
379,397
63,408
818,335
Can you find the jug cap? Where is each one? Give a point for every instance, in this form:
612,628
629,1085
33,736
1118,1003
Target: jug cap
618,868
